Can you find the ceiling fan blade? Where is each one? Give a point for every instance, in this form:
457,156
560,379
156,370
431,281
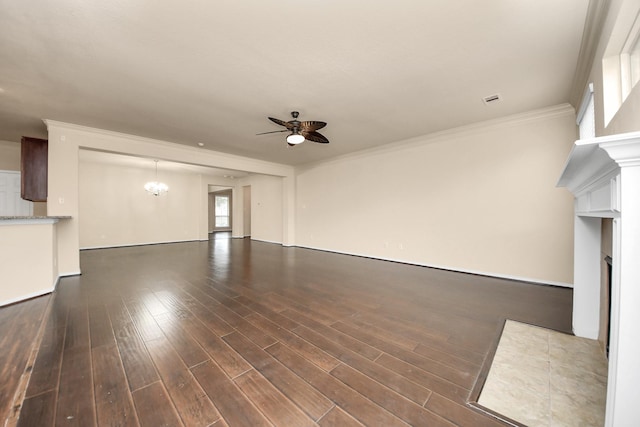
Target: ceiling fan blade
315,137
281,123
273,131
311,125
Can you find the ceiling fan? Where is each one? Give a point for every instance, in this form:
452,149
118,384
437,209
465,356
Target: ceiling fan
300,130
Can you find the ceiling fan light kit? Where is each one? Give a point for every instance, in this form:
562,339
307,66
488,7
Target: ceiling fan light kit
295,138
300,131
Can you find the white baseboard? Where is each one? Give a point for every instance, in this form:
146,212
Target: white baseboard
27,296
454,269
70,273
267,241
128,245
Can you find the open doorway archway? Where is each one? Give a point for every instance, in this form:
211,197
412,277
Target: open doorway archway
220,209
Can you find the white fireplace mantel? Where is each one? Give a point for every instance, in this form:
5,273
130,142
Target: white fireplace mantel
604,176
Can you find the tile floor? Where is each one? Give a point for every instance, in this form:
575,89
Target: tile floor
541,377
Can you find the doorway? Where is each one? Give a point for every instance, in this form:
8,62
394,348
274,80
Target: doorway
220,212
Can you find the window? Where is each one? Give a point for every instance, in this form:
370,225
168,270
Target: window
222,210
621,62
630,60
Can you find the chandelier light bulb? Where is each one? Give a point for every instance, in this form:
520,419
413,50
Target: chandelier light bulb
156,187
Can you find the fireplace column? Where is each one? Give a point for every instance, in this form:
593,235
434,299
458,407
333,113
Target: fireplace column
586,276
604,176
624,355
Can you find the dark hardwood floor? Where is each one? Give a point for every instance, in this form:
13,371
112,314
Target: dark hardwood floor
234,332
19,329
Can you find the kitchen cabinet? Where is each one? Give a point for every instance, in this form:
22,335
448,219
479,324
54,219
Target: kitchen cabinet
33,169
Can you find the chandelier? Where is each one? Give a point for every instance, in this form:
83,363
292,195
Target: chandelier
156,187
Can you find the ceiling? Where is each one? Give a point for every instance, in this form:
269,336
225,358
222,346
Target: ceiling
211,72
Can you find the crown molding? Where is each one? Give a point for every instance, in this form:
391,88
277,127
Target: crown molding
594,23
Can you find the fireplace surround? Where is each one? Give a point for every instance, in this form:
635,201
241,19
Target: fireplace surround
603,174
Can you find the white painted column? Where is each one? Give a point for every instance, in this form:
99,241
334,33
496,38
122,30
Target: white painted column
288,211
586,277
62,199
237,212
624,356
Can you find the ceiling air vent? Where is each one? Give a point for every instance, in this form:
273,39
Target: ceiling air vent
491,99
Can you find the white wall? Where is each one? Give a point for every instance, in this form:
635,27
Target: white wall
115,210
9,156
29,260
246,211
479,199
266,207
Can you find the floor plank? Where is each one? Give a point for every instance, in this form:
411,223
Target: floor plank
310,400
135,357
154,407
348,399
398,405
114,405
338,418
76,405
19,326
273,404
46,370
393,380
193,405
234,406
187,347
38,410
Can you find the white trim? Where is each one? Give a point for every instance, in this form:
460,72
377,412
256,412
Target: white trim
594,22
128,245
70,273
27,296
586,98
267,241
447,268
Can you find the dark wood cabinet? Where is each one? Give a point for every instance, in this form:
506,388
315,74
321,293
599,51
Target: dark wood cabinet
33,169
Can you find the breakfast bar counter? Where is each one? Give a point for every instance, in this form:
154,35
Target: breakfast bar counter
28,256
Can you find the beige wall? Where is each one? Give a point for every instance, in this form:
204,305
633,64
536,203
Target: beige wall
480,199
266,207
115,210
9,156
